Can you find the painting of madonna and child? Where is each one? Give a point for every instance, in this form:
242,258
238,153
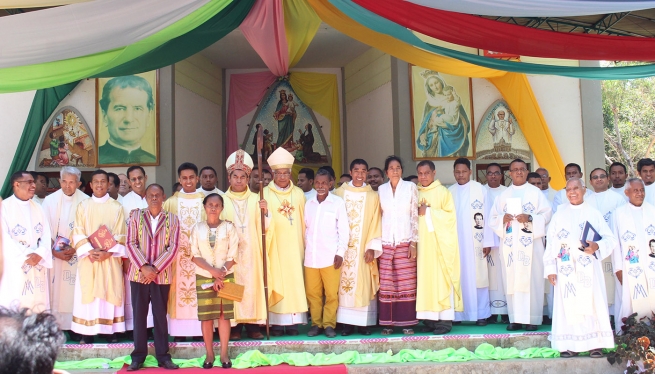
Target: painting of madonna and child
288,123
442,113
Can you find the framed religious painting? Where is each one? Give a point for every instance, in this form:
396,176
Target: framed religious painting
66,141
442,115
127,120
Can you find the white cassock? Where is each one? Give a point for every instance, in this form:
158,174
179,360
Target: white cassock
550,194
560,198
99,316
607,202
38,200
650,194
132,201
476,300
620,191
581,320
525,301
634,256
497,298
207,193
25,230
60,211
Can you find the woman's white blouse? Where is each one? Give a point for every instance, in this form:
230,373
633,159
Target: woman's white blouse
399,213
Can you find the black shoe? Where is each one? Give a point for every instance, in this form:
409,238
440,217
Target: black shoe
481,322
168,365
86,339
277,332
514,326
347,330
226,365
364,330
292,332
179,339
207,365
315,330
457,322
134,366
493,319
330,333
442,327
530,327
113,338
504,319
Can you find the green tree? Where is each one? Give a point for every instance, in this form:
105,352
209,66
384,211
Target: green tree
628,121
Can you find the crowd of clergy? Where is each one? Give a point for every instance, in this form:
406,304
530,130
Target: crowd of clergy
365,253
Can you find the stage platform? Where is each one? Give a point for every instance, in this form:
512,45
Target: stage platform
465,335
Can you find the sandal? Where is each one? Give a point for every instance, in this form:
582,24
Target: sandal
387,331
567,354
408,331
596,353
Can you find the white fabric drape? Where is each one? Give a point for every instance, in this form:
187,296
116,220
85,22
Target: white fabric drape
14,4
541,8
86,28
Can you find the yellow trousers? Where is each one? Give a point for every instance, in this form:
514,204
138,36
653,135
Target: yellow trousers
319,283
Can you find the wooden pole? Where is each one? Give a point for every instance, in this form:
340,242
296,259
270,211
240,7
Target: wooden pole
260,145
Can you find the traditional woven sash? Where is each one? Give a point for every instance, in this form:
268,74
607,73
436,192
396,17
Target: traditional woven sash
518,256
638,266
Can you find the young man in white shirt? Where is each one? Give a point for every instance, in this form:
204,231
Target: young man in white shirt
326,239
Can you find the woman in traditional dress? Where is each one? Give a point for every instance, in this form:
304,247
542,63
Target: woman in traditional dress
214,244
397,295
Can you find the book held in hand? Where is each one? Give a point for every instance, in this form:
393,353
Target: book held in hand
230,291
588,234
102,239
59,243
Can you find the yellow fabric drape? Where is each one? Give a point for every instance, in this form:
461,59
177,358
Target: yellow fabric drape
514,87
320,92
13,4
300,25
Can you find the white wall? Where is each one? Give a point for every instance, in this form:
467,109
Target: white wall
14,109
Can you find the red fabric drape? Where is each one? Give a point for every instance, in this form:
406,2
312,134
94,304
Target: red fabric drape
482,33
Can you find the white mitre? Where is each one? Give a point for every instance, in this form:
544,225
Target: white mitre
280,159
239,160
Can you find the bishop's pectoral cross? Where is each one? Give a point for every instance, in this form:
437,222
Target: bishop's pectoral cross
243,228
291,220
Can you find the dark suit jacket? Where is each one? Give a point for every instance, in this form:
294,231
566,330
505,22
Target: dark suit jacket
108,154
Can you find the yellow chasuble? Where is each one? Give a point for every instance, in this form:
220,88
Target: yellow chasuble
438,252
285,247
182,300
360,281
242,209
104,279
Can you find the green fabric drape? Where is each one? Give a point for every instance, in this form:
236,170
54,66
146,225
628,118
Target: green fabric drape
45,102
385,26
184,46
255,358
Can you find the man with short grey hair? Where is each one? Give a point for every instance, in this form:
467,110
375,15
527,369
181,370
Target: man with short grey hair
545,184
60,208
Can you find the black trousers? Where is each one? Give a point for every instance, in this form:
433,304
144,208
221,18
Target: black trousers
142,296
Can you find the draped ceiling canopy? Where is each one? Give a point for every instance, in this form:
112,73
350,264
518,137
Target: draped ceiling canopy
37,52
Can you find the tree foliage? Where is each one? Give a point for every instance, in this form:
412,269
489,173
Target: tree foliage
628,120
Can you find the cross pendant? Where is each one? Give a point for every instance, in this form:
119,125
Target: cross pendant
291,220
242,228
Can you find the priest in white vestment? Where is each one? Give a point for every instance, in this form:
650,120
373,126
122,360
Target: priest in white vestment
60,208
25,248
498,301
618,176
581,320
208,179
634,257
571,170
607,202
99,288
475,240
548,191
646,170
519,217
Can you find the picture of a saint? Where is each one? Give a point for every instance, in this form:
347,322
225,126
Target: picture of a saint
632,256
502,129
564,254
445,125
479,221
527,227
285,115
651,246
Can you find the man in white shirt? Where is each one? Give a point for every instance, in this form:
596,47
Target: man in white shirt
545,184
306,182
114,186
618,175
208,180
571,170
646,170
326,239
42,182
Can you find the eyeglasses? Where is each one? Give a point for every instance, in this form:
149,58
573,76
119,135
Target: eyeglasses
136,179
492,173
602,176
522,170
543,176
283,174
28,182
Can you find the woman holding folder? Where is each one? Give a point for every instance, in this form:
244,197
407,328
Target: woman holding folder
214,245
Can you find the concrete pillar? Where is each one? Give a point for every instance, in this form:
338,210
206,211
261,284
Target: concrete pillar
166,172
402,128
592,122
